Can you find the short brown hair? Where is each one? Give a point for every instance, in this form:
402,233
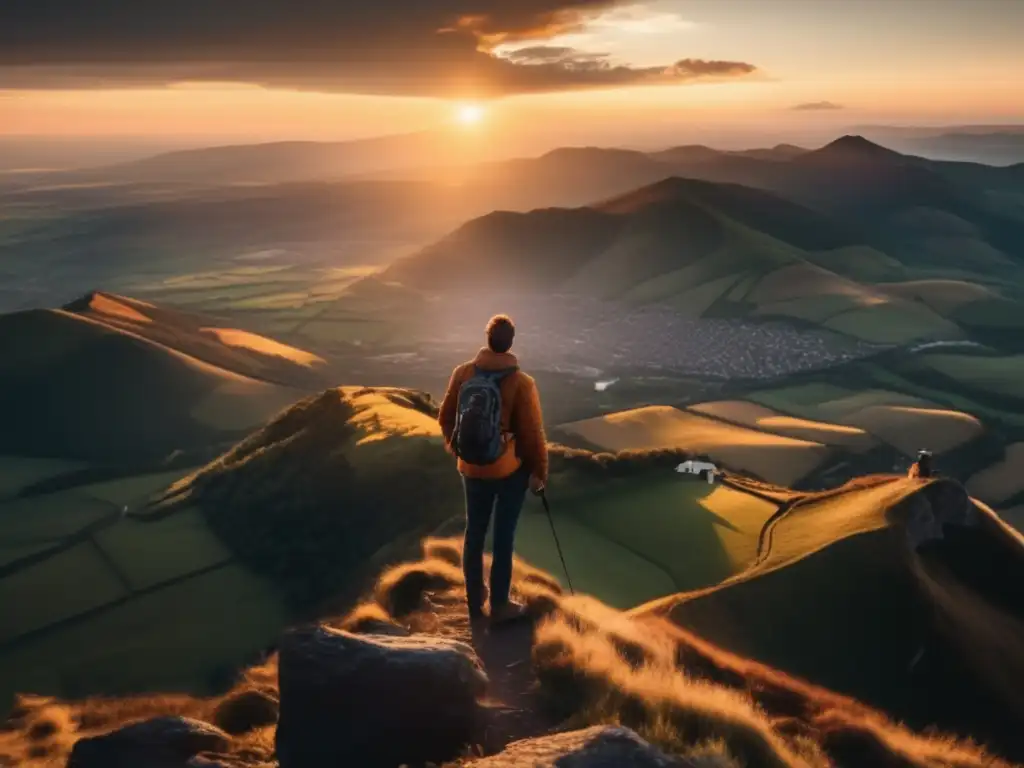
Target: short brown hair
500,333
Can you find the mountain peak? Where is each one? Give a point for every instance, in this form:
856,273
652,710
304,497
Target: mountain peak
854,144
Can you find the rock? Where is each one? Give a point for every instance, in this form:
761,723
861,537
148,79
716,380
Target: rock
374,700
245,711
926,514
378,627
602,746
202,761
162,742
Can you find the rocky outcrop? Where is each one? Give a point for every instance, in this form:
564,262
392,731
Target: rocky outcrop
374,700
246,710
163,742
927,513
597,747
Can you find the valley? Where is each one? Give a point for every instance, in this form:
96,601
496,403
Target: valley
213,431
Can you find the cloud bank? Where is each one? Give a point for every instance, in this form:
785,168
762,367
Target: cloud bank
817,106
399,47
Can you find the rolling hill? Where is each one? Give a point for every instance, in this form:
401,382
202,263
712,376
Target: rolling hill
268,163
704,249
767,614
208,565
906,619
111,379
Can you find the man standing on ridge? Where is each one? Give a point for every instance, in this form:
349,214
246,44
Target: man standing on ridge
492,422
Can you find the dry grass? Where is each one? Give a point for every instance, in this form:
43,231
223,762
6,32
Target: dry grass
380,413
756,416
679,691
909,428
779,459
233,337
594,665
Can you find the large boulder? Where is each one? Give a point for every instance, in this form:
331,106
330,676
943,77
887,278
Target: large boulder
162,742
602,746
375,701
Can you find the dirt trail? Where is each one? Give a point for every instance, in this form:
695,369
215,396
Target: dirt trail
516,709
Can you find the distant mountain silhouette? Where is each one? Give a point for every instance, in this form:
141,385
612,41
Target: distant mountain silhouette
275,162
852,147
696,153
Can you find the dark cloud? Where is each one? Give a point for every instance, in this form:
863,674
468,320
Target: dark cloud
413,47
816,106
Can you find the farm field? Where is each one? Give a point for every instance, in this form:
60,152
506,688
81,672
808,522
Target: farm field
638,539
106,603
778,459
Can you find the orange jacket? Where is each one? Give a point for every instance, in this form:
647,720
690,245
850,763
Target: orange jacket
520,415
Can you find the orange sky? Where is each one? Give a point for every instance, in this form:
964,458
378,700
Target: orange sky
903,61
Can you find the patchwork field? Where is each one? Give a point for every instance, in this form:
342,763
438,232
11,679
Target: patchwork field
19,472
755,416
102,599
894,323
998,375
905,422
943,296
634,540
780,459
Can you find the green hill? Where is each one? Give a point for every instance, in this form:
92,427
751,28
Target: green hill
706,249
115,380
841,587
878,590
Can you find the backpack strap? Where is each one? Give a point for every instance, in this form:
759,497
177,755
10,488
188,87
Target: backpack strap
497,375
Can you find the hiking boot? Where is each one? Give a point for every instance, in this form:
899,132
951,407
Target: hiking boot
476,610
510,611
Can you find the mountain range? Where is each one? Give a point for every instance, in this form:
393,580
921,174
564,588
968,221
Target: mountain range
879,255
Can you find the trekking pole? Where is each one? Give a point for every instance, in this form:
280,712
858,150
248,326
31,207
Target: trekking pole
547,509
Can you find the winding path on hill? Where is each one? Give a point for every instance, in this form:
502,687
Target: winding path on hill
766,537
515,707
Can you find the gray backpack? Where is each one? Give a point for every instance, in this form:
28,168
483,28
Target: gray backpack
478,437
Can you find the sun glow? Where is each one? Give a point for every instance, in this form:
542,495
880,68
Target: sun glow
469,114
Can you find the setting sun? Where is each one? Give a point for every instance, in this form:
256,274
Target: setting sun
469,114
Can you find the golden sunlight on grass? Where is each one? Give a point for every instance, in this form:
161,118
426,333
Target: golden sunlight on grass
236,338
776,458
108,305
379,416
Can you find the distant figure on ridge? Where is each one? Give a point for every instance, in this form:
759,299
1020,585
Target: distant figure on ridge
492,422
923,466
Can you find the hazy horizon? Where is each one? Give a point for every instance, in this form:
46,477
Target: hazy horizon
552,73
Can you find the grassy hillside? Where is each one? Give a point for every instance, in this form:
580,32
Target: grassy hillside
590,664
117,604
705,249
898,592
306,500
784,460
208,565
116,380
203,338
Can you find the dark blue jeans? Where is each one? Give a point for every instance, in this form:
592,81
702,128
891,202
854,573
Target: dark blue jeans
504,499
